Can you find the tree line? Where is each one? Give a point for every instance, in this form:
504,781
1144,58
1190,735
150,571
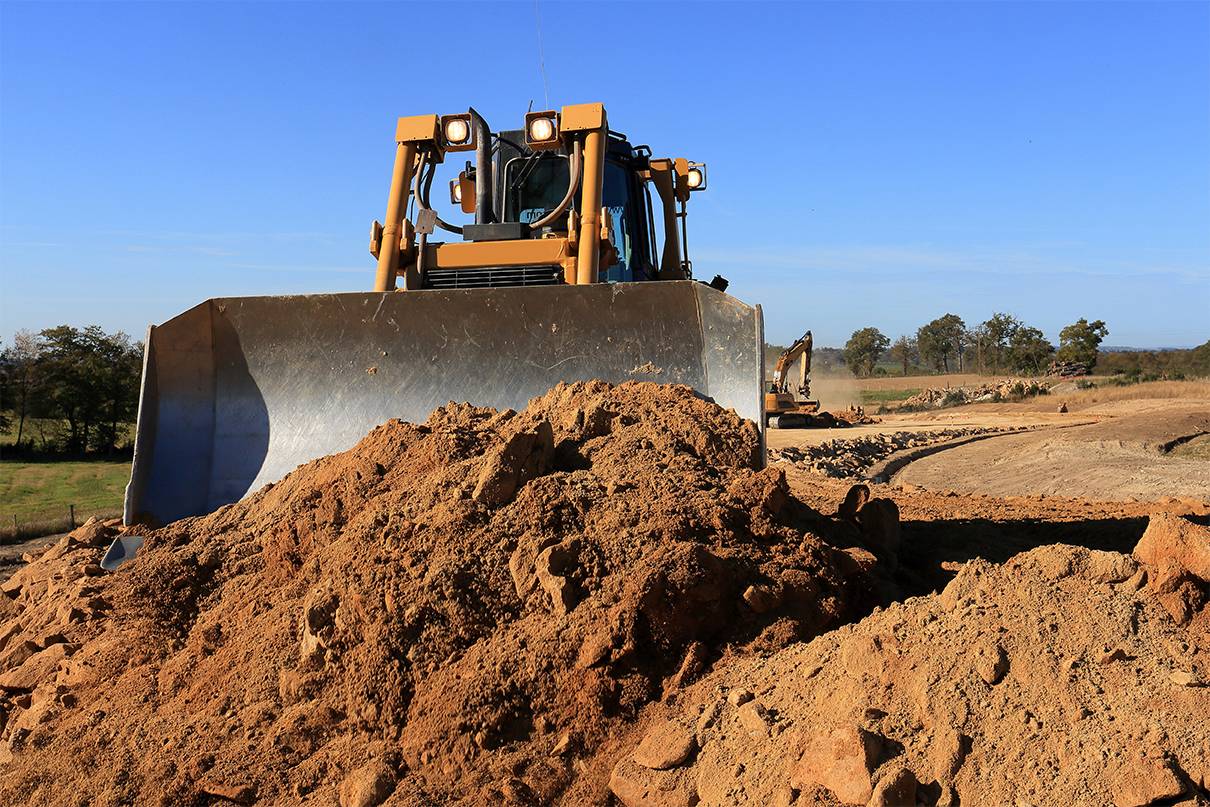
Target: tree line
1002,343
69,390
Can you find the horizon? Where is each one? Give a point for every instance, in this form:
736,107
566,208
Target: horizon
870,164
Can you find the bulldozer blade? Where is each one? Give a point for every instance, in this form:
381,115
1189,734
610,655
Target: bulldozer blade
237,392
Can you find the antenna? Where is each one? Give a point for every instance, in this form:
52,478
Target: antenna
541,54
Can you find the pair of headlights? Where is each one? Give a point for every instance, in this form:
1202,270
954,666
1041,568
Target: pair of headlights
541,131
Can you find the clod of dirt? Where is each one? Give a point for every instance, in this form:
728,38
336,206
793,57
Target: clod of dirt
1052,678
470,610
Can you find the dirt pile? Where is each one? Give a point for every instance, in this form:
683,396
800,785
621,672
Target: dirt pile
472,610
938,397
842,459
1064,676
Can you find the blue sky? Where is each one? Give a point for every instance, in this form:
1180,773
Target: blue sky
870,164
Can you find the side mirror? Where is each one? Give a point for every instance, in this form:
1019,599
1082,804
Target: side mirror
462,192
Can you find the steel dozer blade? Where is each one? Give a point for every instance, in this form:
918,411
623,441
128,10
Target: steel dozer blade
238,392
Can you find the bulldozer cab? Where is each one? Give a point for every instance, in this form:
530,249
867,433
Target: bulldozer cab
532,183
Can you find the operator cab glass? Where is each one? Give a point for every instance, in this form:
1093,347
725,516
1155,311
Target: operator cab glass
533,184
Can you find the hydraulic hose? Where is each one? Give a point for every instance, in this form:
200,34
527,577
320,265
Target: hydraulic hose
422,193
577,160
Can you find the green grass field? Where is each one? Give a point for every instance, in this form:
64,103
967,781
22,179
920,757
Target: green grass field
873,396
41,492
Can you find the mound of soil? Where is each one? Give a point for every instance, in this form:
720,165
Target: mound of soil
1064,676
472,610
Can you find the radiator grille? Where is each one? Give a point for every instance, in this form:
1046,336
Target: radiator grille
492,277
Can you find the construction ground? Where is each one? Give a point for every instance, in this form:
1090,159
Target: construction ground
603,599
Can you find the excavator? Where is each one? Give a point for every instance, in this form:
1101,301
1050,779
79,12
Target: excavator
567,260
784,409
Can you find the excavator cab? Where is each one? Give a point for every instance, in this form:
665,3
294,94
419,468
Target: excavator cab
547,274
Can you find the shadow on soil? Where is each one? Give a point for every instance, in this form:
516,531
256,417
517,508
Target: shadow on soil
928,544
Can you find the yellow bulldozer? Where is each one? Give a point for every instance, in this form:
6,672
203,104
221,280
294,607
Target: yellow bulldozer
572,265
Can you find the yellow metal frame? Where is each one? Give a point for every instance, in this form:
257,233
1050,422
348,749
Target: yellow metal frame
579,254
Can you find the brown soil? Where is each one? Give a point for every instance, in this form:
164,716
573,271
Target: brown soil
1122,458
472,610
599,600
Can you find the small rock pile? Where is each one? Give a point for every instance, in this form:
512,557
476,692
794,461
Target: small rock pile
939,397
1067,369
1064,676
844,459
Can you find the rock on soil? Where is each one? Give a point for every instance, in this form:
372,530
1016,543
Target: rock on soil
1055,678
842,459
472,610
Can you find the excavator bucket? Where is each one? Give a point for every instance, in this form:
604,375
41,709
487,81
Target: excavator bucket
237,392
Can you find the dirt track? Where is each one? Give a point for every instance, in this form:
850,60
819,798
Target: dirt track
1107,451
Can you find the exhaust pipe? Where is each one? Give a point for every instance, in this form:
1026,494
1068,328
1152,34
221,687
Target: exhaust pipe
483,169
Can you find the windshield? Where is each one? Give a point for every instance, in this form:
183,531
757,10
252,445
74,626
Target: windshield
535,186
616,198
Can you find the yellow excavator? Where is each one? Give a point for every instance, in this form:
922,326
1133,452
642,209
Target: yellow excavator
786,408
573,265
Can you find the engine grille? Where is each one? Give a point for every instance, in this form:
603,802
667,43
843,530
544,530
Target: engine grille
492,277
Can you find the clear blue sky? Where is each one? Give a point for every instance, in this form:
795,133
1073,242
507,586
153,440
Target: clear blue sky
870,164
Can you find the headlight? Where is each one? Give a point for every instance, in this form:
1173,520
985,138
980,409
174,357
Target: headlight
456,132
695,176
455,192
542,130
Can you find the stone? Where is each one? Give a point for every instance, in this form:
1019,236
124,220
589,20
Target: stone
879,523
39,667
739,696
524,456
550,568
1184,678
755,719
562,746
991,664
762,598
1180,593
691,667
896,788
1144,780
665,745
1108,567
636,786
238,794
368,786
947,753
842,760
1172,537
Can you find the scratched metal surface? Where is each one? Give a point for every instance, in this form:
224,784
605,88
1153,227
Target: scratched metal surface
237,392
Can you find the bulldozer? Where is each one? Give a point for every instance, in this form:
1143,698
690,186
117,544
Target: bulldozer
784,408
571,263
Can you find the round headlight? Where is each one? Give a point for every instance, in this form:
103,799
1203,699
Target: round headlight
541,129
457,131
456,192
694,177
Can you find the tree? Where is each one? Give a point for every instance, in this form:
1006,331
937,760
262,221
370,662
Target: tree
904,351
18,361
1080,340
941,340
1028,351
862,350
991,340
87,378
